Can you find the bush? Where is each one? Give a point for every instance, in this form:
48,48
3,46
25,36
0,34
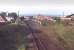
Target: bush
44,22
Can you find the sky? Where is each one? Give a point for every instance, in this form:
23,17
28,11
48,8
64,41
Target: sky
47,7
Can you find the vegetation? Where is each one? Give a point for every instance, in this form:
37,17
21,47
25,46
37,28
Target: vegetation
44,22
14,36
64,34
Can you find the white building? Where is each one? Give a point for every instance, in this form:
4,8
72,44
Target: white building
2,19
9,18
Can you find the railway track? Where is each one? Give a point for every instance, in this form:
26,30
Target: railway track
33,40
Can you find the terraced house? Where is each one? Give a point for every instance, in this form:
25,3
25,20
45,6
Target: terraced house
40,18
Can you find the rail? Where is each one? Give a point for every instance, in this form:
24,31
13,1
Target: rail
39,45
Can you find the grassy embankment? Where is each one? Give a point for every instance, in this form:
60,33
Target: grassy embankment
62,34
14,35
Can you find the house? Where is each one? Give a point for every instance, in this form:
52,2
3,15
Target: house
65,19
26,17
40,18
9,18
5,19
70,16
2,19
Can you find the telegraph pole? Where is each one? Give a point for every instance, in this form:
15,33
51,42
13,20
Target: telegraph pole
7,13
63,14
18,13
17,20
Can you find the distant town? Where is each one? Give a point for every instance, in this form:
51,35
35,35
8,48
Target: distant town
15,18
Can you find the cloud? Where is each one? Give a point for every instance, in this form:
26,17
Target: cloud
37,6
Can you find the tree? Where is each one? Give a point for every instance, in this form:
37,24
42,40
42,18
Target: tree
57,19
3,14
22,18
13,14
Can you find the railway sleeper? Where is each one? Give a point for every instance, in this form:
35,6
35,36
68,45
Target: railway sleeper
29,36
30,45
29,40
31,49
